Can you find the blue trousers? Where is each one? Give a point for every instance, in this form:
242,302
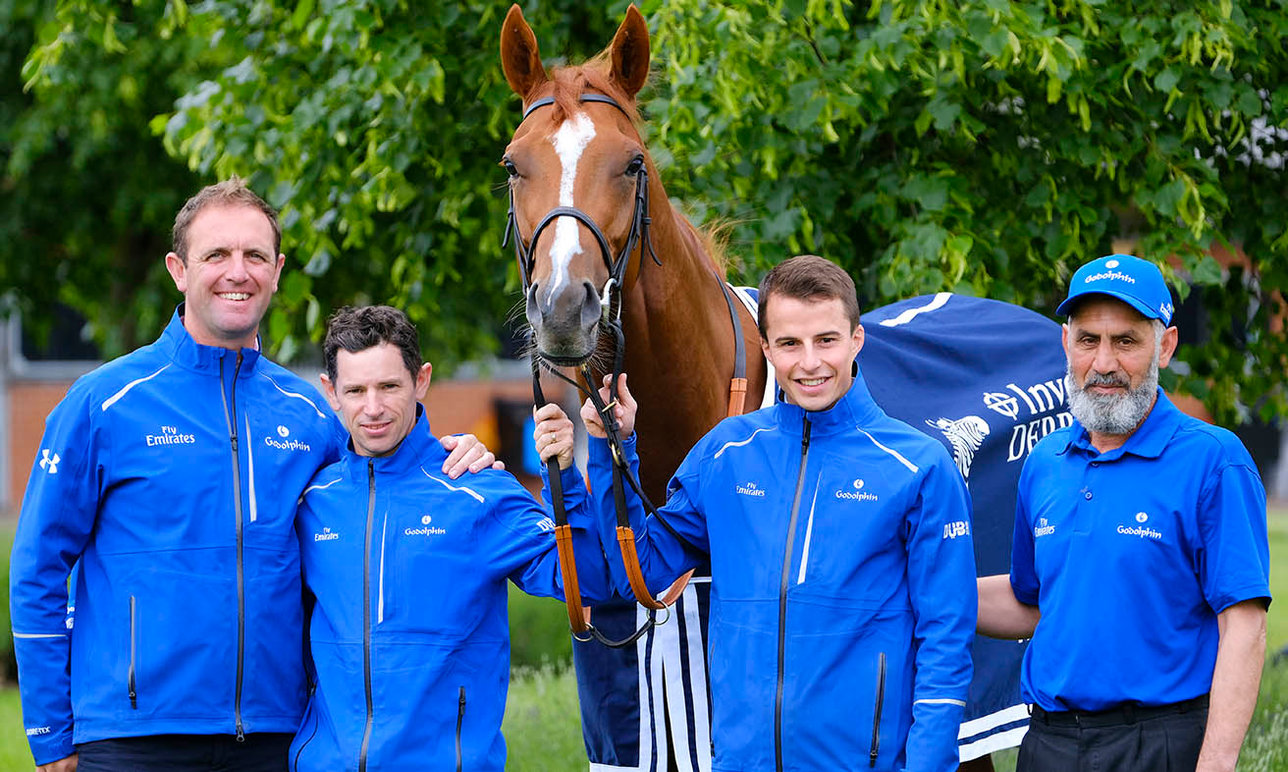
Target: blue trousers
264,752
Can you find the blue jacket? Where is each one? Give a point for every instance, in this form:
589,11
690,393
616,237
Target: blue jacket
171,475
842,585
409,632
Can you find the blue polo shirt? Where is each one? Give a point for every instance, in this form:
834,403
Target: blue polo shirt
1130,555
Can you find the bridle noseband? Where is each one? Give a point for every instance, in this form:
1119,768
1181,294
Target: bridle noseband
610,298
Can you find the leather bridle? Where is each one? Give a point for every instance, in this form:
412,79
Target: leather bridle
610,296
639,236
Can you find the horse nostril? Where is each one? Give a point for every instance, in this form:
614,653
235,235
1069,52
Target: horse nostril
532,307
590,306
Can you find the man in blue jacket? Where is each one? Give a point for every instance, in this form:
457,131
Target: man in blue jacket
842,570
409,631
169,478
1140,564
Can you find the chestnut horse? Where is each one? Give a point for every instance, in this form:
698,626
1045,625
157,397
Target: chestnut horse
680,346
582,181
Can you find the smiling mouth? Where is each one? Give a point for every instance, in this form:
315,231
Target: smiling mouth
234,295
811,381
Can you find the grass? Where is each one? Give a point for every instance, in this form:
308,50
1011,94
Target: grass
543,730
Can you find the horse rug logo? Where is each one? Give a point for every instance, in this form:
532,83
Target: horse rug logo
49,461
1001,402
965,436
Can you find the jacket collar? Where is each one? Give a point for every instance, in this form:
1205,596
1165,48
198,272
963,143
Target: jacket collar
185,351
418,449
1148,441
855,408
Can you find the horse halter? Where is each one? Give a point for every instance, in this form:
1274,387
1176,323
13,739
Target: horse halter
616,264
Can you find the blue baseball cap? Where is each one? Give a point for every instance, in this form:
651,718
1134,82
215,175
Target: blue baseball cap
1136,282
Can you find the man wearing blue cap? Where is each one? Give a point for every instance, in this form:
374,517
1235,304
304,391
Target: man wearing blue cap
1140,558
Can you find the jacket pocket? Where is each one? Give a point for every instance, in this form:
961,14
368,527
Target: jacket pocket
460,719
129,676
876,712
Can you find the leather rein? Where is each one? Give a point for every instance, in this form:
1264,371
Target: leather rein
611,302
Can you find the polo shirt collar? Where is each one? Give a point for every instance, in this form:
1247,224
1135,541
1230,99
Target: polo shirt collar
1148,441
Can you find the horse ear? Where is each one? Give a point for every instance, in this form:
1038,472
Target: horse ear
630,52
520,58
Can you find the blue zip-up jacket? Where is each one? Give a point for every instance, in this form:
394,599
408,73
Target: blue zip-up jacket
171,474
842,585
409,632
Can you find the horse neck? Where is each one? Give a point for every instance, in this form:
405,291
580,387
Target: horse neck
679,346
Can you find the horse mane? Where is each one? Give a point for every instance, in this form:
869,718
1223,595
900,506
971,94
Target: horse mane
571,81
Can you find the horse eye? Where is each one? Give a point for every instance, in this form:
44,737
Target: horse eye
633,168
510,168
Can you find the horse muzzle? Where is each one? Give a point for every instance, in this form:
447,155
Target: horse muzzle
565,322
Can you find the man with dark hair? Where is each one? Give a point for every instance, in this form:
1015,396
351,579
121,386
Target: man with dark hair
409,632
840,552
169,479
1140,564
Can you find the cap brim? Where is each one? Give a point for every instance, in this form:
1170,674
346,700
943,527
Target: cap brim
1146,311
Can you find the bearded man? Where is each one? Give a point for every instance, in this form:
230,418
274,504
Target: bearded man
1140,560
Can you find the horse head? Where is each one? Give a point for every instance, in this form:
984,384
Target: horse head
578,178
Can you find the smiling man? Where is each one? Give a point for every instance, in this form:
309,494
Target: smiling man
1140,558
173,486
842,567
409,632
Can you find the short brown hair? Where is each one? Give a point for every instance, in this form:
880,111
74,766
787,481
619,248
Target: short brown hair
809,277
358,328
230,192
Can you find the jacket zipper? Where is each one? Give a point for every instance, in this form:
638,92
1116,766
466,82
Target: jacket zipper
876,714
782,600
230,415
295,763
366,613
460,718
134,695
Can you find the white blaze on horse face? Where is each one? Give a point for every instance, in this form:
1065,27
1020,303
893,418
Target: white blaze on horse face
570,142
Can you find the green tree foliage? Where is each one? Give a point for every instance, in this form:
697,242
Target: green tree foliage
87,194
980,146
992,147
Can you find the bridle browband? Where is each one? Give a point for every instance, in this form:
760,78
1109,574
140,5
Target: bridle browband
578,616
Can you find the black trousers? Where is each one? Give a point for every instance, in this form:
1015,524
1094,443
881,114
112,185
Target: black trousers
1126,739
260,752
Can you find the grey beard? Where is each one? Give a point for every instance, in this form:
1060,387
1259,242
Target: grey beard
1118,414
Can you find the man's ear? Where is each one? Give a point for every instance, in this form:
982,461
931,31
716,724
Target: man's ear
422,381
328,391
1167,347
178,271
